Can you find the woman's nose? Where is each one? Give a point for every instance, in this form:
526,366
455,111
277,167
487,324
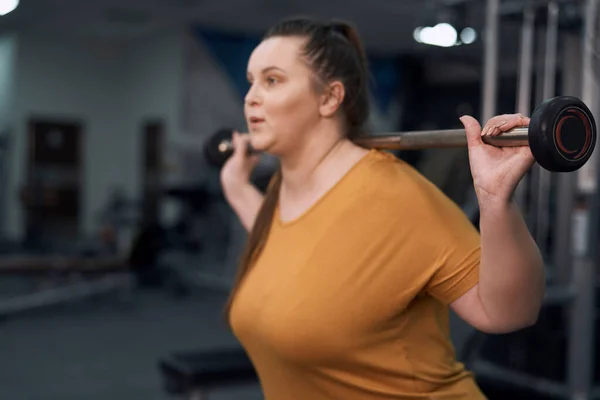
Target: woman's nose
252,98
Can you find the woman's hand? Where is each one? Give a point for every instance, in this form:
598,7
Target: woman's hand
239,166
496,171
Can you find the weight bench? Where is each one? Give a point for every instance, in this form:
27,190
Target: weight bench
103,275
194,374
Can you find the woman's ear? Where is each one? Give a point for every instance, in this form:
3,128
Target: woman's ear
332,98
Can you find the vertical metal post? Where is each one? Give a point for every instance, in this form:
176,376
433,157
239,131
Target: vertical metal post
551,49
526,62
565,183
587,173
581,337
524,88
544,176
490,60
582,312
534,174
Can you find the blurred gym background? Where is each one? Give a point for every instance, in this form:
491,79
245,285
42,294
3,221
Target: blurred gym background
116,245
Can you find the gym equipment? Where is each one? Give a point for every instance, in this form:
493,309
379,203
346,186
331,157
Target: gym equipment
533,357
15,264
541,179
557,357
218,148
114,278
68,294
182,255
561,135
193,374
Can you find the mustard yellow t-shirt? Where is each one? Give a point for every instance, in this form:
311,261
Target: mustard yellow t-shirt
350,300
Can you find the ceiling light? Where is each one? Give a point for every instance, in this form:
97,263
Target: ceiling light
7,6
468,35
443,35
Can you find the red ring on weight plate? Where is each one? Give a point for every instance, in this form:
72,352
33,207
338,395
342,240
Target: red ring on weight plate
573,113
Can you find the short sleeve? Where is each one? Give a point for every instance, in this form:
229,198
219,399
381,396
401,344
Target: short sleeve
457,247
418,239
458,273
445,246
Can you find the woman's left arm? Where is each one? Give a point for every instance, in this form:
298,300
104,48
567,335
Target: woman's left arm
512,282
511,272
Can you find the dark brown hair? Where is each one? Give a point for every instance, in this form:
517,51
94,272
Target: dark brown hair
335,52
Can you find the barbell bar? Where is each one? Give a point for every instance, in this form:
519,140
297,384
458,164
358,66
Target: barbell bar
561,135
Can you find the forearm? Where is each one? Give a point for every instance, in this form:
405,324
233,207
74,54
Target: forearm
246,200
512,281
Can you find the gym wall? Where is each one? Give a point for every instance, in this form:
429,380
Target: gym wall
8,58
182,78
210,101
111,90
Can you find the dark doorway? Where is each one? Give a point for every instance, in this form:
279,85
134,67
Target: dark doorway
52,195
153,142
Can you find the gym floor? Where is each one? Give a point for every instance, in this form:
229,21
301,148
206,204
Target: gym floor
106,349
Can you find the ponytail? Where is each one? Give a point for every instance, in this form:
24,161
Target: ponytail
351,34
357,108
258,235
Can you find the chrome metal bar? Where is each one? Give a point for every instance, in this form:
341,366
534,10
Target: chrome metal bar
429,139
441,139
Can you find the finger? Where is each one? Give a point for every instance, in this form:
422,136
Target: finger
494,123
524,121
503,123
514,121
472,129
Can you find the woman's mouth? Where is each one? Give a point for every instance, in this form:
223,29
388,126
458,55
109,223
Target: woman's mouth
256,120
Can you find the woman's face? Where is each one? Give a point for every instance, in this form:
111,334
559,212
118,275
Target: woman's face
282,103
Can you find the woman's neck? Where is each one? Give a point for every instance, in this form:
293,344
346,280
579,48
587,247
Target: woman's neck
318,165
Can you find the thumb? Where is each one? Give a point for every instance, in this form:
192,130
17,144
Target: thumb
239,145
473,130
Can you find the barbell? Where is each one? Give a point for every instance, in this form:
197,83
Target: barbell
561,135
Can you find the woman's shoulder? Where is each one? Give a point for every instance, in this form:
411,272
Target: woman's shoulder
390,180
387,172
